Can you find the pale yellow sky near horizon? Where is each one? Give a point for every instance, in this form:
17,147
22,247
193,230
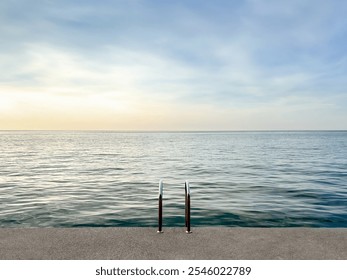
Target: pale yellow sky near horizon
28,110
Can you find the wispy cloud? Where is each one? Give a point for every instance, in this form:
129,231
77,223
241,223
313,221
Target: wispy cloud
173,64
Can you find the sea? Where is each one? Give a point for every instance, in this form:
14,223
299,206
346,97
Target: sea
110,179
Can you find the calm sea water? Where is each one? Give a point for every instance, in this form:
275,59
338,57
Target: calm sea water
249,179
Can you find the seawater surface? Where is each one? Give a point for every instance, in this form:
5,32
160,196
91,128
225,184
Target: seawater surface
249,179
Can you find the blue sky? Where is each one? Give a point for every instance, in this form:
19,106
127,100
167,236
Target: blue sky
173,65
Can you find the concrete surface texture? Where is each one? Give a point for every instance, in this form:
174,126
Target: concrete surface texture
174,243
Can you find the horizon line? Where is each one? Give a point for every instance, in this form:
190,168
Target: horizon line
174,131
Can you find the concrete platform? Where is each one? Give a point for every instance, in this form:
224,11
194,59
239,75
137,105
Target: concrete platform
174,243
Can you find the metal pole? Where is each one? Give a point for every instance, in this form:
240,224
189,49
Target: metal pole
185,203
187,206
160,207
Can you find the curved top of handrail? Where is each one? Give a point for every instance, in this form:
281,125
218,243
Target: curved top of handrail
161,187
187,187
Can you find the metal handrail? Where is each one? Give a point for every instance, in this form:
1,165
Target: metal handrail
160,207
187,206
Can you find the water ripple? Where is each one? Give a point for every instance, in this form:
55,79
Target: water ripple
250,179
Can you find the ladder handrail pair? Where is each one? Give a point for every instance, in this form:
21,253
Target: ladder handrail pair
187,206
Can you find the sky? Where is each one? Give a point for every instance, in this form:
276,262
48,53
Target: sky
173,65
